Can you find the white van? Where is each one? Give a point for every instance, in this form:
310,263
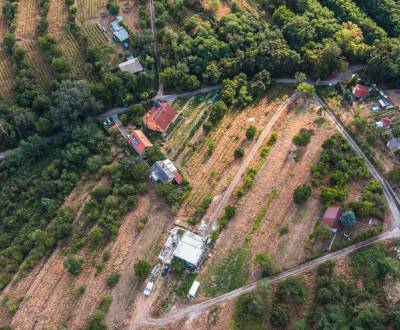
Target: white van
149,288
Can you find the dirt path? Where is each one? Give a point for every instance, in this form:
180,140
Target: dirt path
195,310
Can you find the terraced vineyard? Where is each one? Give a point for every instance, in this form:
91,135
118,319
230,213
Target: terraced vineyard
57,16
74,57
2,21
90,8
95,35
27,19
6,78
37,62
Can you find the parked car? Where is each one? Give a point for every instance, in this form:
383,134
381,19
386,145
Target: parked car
108,121
149,288
165,270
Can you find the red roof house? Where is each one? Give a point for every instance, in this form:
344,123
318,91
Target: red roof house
139,141
360,91
160,117
332,217
387,122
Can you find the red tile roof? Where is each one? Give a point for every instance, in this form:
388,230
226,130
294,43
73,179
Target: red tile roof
178,177
332,216
159,118
139,141
387,122
360,91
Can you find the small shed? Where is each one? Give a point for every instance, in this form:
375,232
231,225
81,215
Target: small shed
394,144
139,141
190,249
193,289
360,91
332,217
132,65
120,34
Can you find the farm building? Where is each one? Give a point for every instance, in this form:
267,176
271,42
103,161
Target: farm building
165,171
120,34
394,144
132,65
360,91
332,217
139,141
185,246
160,117
190,249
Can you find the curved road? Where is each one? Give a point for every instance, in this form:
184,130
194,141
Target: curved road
192,311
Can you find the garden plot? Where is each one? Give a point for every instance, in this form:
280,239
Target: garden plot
27,19
210,172
57,16
6,78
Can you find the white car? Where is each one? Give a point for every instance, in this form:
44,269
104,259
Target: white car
149,288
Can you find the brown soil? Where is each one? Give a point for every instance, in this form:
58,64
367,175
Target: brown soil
284,176
27,19
210,174
48,295
222,9
132,19
57,16
394,95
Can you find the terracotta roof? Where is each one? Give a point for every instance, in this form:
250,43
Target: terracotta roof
332,216
360,91
139,141
387,122
162,116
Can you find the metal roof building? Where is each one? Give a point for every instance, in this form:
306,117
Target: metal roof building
190,249
132,65
119,32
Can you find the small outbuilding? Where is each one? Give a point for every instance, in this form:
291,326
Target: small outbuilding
165,171
332,217
193,289
360,91
120,34
393,144
132,65
139,141
160,117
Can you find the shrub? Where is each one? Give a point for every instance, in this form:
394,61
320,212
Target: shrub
348,219
302,139
332,196
238,153
265,262
142,269
230,211
291,289
73,265
280,315
301,194
211,147
113,279
251,132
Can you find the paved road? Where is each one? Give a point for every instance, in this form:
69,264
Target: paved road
391,196
352,69
217,212
192,311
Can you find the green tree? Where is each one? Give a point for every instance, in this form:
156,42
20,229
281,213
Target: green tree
142,269
113,279
73,265
265,262
301,194
238,153
251,132
348,219
307,90
394,174
280,316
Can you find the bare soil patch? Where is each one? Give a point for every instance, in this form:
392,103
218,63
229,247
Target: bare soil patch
394,95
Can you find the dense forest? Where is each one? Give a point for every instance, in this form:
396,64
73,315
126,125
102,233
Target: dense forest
241,51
